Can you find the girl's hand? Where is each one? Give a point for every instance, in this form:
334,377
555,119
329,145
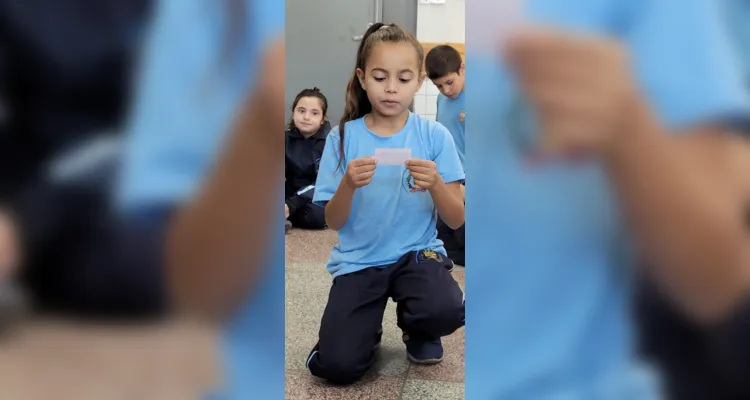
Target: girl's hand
359,172
581,88
424,172
286,211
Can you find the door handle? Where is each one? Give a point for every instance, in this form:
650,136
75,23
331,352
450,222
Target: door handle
357,38
378,18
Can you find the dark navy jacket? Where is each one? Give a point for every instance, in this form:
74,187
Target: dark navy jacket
302,162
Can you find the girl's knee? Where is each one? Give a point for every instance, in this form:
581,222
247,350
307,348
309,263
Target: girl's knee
341,368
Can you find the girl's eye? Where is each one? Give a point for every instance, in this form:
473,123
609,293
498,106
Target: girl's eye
405,80
379,79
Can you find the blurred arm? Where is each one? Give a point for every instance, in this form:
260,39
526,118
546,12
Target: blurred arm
220,240
685,196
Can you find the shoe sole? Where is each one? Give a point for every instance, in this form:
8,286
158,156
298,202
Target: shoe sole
432,361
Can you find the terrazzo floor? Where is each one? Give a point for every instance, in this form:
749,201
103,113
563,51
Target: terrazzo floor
393,377
47,359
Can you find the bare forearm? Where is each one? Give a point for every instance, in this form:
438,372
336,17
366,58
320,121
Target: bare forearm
687,222
449,203
340,206
218,241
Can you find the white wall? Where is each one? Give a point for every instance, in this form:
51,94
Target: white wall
441,22
437,23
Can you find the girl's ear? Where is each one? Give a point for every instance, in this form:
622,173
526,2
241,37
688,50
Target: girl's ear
361,78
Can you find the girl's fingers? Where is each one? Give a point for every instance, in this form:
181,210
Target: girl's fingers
365,181
420,177
365,169
421,169
363,176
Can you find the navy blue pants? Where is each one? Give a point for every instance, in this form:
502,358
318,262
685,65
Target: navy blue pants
430,305
309,216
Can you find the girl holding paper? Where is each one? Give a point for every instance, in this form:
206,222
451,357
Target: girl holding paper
385,214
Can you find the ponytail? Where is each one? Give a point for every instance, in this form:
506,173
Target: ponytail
357,103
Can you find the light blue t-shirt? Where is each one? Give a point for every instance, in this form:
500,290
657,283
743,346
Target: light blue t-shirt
189,91
548,290
391,216
452,114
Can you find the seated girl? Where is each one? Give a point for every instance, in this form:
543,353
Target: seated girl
305,139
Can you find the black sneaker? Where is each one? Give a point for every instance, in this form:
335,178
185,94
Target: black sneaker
425,352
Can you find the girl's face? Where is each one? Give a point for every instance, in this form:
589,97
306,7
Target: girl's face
308,115
392,78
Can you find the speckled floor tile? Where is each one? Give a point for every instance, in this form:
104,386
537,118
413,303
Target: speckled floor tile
307,246
416,389
302,386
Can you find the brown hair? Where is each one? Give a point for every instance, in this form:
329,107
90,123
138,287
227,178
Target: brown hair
357,103
314,92
441,61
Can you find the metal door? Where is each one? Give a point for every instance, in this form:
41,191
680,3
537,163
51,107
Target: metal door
322,37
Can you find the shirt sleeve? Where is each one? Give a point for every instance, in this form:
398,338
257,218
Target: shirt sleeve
268,18
446,156
685,62
329,172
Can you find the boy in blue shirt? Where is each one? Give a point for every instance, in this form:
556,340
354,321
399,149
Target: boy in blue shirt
446,69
